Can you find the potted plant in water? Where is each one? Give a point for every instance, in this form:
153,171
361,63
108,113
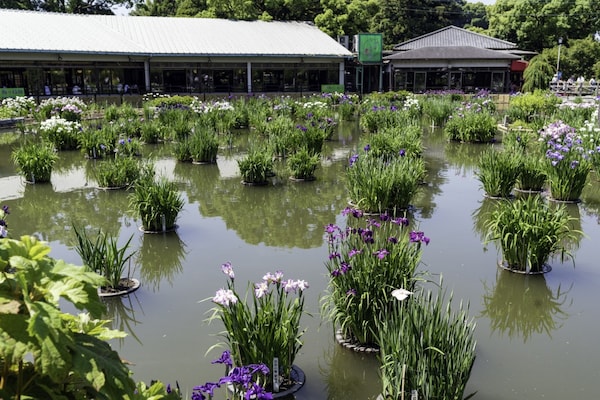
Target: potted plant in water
35,161
157,203
366,258
265,329
498,172
203,145
567,161
117,173
104,256
303,164
529,232
256,166
378,184
427,347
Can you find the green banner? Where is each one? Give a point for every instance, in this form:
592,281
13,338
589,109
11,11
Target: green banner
370,47
11,92
332,88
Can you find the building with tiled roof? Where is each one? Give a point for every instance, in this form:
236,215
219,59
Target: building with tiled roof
455,58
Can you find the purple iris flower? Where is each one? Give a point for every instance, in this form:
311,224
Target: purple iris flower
224,359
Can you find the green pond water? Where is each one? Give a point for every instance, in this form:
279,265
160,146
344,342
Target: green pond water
537,336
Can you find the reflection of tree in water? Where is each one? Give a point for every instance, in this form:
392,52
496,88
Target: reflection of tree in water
521,305
201,184
50,215
286,214
159,258
350,375
121,312
464,156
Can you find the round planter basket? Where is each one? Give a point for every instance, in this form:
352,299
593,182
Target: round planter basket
289,387
167,230
354,346
545,269
312,178
564,201
296,381
130,285
254,183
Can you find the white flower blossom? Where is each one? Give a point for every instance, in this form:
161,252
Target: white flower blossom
225,297
401,294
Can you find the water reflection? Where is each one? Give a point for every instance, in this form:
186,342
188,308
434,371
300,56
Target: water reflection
481,216
160,258
522,305
96,209
591,196
464,157
350,375
285,214
121,311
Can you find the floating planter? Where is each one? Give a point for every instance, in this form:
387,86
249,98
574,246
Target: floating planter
529,232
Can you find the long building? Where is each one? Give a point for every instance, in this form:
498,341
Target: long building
63,54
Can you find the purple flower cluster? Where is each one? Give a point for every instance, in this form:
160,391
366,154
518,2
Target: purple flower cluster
240,379
563,143
418,237
340,264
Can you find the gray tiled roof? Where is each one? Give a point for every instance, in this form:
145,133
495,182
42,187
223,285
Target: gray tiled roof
451,53
28,31
455,36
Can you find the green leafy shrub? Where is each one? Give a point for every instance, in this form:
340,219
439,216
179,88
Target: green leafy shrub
471,123
104,256
157,203
203,145
498,172
379,185
536,106
35,161
529,232
117,172
256,166
302,164
426,347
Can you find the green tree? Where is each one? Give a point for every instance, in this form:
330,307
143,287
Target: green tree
156,8
538,73
401,20
535,25
66,6
475,15
580,57
190,8
346,17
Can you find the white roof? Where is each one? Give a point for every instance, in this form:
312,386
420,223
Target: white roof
30,31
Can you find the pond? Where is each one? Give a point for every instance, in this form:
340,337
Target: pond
536,335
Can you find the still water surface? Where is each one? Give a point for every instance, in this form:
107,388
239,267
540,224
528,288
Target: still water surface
537,336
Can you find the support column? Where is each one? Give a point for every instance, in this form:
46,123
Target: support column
342,74
249,76
147,75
